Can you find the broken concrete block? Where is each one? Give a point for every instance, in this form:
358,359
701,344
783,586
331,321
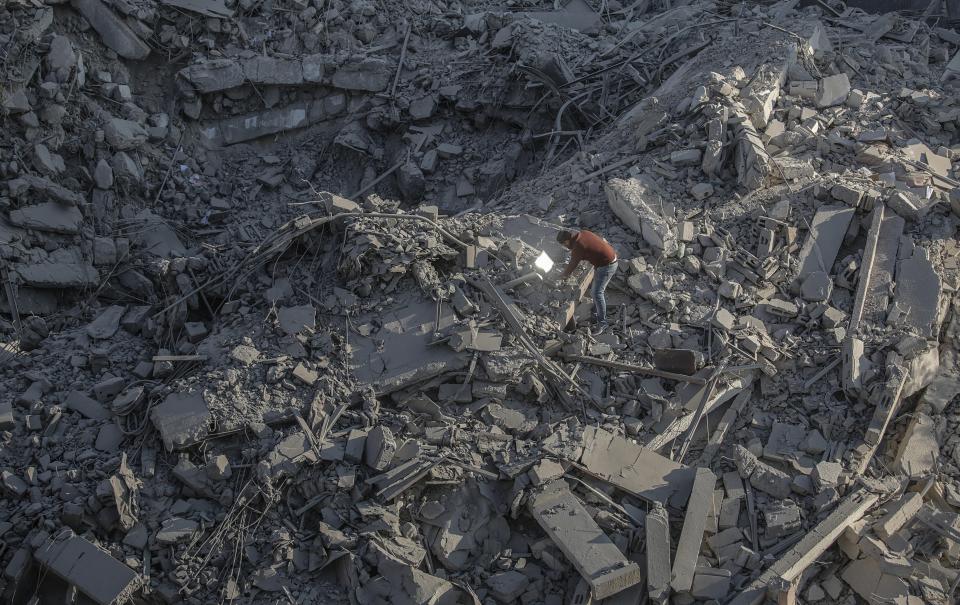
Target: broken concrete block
919,449
124,134
637,204
113,29
51,217
686,157
827,230
634,469
751,160
833,90
826,474
701,191
899,513
545,471
371,74
85,406
12,484
867,579
213,75
711,584
6,415
679,361
577,535
691,536
658,554
305,374
182,419
379,448
507,586
918,291
93,571
175,529
273,70
850,195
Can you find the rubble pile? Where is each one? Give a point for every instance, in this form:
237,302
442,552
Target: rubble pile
282,320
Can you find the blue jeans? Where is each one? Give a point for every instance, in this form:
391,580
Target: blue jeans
601,279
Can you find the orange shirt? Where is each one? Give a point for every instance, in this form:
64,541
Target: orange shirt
590,247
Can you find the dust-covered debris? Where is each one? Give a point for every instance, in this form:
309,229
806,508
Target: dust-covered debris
283,320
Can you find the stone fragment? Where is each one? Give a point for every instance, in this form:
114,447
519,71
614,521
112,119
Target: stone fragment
213,75
833,90
49,217
564,518
371,74
107,323
182,419
103,175
175,529
85,406
113,29
273,71
96,574
379,448
919,450
507,586
699,506
124,134
637,204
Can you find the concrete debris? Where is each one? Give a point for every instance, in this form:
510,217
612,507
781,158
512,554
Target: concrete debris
253,349
88,568
581,540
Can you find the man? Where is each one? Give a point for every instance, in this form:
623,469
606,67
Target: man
584,245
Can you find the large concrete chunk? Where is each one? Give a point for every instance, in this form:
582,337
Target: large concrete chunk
750,158
876,269
919,449
213,76
182,419
814,543
272,70
699,506
57,275
112,29
370,74
637,204
248,128
658,554
93,571
639,471
574,531
833,90
49,216
827,230
762,93
918,293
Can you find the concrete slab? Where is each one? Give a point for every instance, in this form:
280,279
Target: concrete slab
636,470
182,419
574,531
691,536
877,269
814,543
399,354
658,554
93,571
918,293
827,230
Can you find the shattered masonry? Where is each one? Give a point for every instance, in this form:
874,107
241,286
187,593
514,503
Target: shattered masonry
277,324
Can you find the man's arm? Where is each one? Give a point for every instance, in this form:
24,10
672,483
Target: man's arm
575,257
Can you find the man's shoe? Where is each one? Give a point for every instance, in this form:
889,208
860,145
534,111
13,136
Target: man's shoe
600,328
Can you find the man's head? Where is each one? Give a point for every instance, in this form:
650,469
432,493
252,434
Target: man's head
565,238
